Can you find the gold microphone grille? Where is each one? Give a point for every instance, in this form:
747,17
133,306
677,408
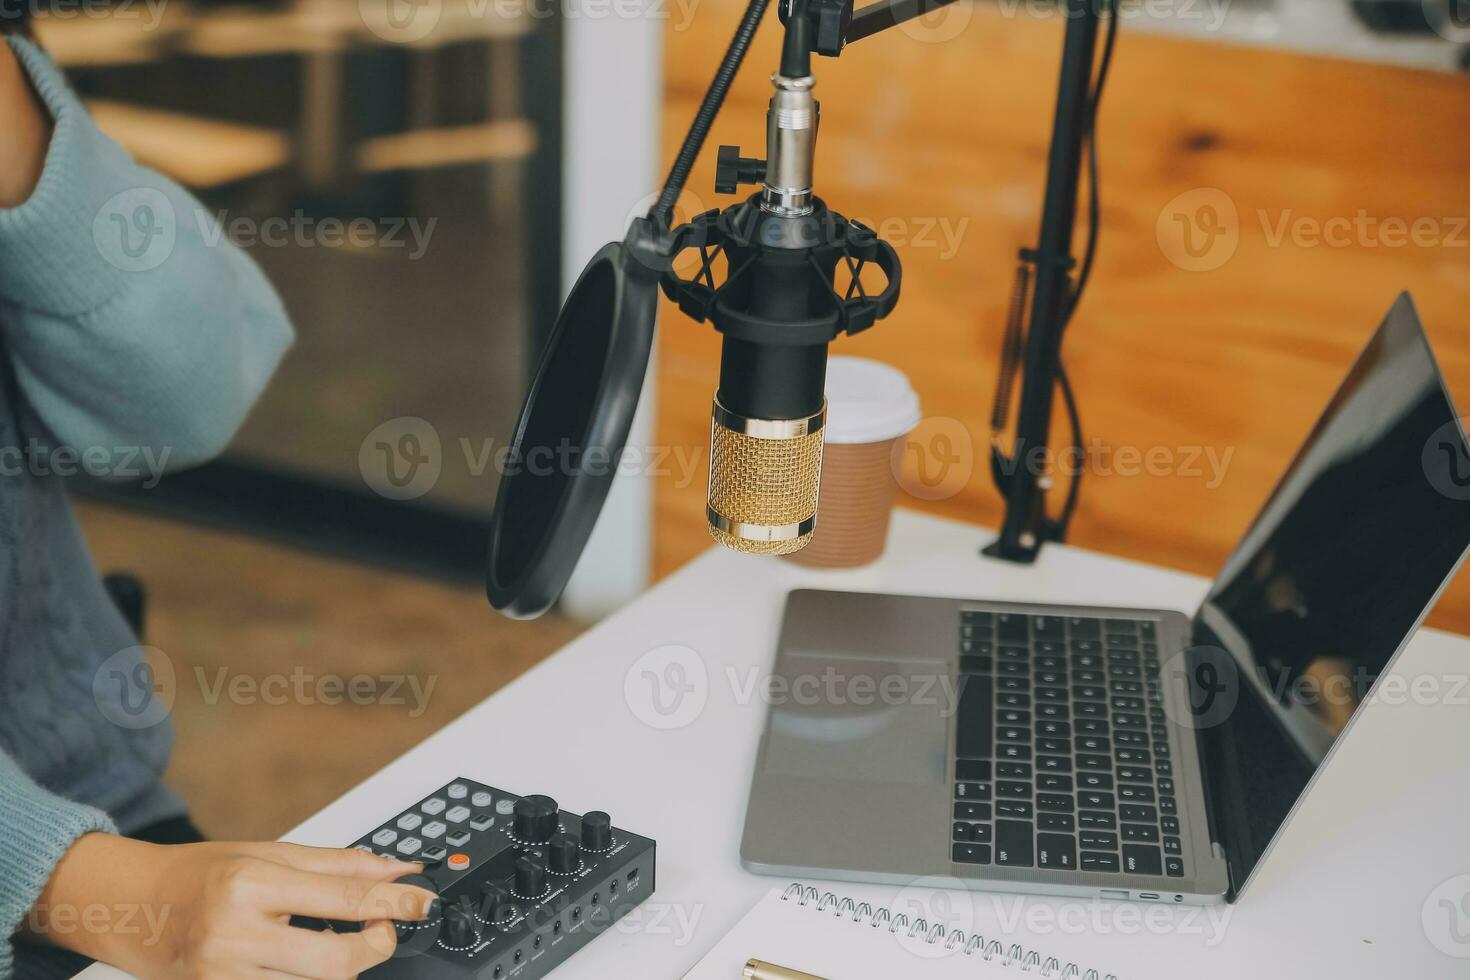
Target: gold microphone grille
763,482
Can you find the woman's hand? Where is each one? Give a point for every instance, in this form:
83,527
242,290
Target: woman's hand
222,910
25,134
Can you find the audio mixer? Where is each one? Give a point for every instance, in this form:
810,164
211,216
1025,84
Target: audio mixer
522,884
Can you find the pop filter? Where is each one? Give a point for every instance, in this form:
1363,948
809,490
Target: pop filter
575,422
572,431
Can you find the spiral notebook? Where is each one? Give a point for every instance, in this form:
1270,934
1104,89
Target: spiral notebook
833,937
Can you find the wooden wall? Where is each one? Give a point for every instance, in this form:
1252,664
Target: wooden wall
1173,351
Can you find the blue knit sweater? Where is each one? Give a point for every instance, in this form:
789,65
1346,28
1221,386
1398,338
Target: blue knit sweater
132,336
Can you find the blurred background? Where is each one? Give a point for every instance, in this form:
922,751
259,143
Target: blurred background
422,178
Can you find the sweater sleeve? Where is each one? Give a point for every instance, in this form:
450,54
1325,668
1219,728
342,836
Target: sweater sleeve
36,829
133,323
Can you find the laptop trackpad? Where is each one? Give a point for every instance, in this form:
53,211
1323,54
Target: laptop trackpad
852,772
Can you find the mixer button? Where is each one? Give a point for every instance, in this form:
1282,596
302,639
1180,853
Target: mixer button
409,845
481,799
458,838
385,837
458,861
505,806
458,791
433,807
435,853
457,814
410,821
434,829
483,821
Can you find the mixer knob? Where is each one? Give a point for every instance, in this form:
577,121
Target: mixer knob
492,893
459,926
427,884
596,831
535,819
563,854
530,876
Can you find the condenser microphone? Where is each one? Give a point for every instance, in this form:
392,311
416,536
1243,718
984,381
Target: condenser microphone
766,445
773,300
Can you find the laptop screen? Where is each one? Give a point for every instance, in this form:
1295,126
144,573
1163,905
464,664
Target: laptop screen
1349,551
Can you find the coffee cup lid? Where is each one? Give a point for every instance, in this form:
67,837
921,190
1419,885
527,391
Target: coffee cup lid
868,401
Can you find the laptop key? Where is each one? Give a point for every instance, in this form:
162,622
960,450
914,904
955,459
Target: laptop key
1014,699
1056,802
1013,791
1013,733
1132,774
1012,627
1142,859
978,792
1014,751
972,770
1056,746
976,665
1056,821
1081,626
1095,763
971,853
962,831
1138,814
1095,820
1092,726
974,725
1170,825
1172,845
1092,709
1052,711
1098,840
1016,654
1137,794
1013,770
1099,861
972,811
1094,780
1052,728
1014,716
1015,809
1167,805
1094,800
1140,833
1054,763
1174,867
1014,846
1052,782
1019,668
1056,851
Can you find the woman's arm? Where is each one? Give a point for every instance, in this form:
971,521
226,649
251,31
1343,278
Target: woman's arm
131,321
191,910
24,137
220,910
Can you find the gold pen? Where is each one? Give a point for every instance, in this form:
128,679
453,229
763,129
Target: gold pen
757,970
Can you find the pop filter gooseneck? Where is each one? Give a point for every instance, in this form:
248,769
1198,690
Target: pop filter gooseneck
579,410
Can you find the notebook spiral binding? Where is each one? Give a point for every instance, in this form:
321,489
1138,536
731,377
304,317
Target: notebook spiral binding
918,929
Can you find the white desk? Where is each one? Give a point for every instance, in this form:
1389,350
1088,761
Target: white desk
1344,895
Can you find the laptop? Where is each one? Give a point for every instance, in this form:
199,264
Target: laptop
1122,753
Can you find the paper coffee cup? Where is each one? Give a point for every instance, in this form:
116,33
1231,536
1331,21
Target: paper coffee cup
870,406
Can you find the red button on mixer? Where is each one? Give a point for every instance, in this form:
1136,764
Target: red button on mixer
458,862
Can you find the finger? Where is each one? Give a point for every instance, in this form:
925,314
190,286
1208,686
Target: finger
335,861
296,892
327,955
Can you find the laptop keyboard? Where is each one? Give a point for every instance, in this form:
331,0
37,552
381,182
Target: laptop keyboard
1062,754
